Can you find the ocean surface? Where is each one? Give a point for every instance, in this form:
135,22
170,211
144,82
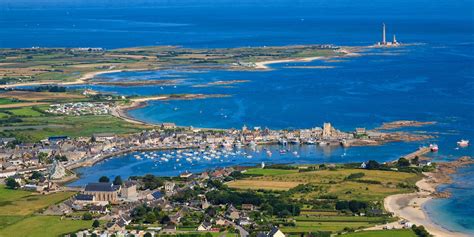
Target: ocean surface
432,79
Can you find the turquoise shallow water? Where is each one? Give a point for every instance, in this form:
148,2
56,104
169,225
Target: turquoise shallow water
429,81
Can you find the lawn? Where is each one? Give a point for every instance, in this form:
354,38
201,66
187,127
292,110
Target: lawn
260,171
383,233
43,226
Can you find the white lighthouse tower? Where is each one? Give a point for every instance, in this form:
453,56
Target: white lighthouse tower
384,38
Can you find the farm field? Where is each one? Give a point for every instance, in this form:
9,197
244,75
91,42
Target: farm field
18,214
374,185
318,192
22,203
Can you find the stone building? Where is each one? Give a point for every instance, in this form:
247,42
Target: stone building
103,192
129,191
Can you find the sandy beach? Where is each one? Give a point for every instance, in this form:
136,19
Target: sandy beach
410,206
264,64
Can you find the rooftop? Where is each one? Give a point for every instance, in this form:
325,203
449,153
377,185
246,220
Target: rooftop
101,187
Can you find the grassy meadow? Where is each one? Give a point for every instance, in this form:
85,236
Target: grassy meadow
19,214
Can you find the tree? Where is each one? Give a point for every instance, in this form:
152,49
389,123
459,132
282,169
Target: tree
96,224
420,231
165,220
211,211
416,160
104,179
118,180
42,157
87,216
11,183
150,218
372,165
60,158
36,175
403,162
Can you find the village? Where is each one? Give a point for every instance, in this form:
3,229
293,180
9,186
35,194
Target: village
150,204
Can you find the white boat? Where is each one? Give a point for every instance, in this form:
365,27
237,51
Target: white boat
463,143
434,147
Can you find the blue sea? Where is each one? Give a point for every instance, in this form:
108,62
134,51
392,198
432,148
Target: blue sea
431,79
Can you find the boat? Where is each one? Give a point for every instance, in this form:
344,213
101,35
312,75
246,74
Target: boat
434,147
463,143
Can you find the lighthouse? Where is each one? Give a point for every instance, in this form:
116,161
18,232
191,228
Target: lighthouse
384,39
384,42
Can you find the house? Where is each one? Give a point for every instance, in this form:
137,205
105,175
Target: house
205,226
168,126
98,209
103,192
102,137
222,222
274,232
247,207
360,131
155,195
244,220
233,213
115,226
170,228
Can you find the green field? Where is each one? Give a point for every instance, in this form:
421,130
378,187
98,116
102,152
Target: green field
316,190
73,126
25,112
383,233
331,182
18,214
43,226
260,171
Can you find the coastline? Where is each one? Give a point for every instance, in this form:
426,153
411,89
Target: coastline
121,111
264,65
410,206
81,80
347,52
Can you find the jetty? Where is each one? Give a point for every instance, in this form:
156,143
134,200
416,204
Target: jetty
418,153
